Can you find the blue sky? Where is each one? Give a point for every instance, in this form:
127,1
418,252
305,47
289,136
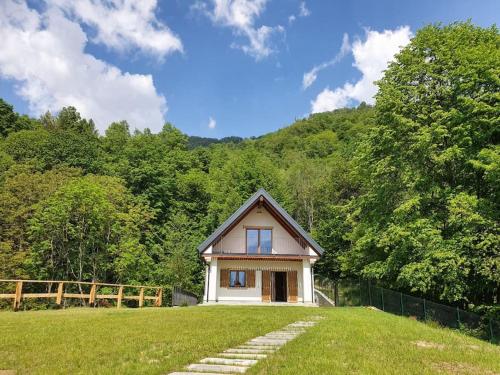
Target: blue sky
212,68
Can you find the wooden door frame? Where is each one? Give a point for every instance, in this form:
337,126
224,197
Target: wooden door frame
273,285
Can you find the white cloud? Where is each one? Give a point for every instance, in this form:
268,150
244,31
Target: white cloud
303,11
211,123
328,100
310,76
122,24
240,16
371,58
44,54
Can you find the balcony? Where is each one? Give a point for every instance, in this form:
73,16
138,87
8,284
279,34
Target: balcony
237,245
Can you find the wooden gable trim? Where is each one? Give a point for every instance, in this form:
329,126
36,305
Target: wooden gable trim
261,197
235,223
295,235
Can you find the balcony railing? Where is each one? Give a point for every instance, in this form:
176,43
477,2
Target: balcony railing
280,245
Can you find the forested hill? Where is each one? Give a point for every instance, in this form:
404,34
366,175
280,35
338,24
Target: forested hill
406,192
195,141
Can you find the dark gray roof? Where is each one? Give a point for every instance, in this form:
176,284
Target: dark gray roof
236,215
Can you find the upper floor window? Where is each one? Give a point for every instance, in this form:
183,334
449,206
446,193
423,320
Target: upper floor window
259,240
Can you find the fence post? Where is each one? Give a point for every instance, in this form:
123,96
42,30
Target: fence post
141,297
370,292
18,294
458,317
336,295
402,309
359,286
491,331
60,291
120,296
425,311
92,294
159,297
383,305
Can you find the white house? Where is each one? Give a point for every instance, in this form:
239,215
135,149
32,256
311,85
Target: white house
259,255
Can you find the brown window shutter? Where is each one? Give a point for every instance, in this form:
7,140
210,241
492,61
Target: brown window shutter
224,278
250,278
292,286
266,286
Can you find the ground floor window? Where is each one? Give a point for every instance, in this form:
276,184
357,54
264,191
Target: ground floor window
237,279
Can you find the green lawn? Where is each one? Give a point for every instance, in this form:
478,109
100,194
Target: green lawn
157,341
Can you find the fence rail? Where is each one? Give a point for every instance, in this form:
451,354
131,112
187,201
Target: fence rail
90,296
365,293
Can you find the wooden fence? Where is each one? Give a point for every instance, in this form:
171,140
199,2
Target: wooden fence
91,296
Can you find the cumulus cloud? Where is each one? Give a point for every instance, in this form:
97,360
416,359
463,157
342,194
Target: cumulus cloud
43,52
123,24
310,76
212,123
303,11
240,16
371,58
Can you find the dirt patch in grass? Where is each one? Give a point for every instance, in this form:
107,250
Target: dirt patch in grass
461,369
429,345
473,347
316,317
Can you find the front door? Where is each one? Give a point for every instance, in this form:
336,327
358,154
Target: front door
279,287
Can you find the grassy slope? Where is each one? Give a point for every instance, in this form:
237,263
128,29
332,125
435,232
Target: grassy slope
146,341
154,341
363,341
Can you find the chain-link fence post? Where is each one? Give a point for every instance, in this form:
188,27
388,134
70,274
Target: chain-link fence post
458,317
383,304
336,292
370,292
332,287
402,309
359,286
491,332
425,311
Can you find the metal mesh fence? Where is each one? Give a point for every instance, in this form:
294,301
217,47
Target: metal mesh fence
327,287
364,293
181,297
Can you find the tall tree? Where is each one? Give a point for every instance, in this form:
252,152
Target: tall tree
85,228
428,221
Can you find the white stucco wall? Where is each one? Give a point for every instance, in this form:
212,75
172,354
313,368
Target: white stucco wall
283,242
307,280
213,280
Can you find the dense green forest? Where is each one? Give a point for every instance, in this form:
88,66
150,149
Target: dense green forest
406,192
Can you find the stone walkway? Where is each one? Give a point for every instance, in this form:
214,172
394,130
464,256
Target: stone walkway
238,360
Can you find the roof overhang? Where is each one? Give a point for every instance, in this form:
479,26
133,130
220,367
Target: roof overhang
261,197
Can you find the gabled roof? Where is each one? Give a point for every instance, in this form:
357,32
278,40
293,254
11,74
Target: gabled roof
236,216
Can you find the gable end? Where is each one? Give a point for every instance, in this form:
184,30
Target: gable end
246,207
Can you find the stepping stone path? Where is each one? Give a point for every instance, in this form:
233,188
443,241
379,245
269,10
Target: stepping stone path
237,360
